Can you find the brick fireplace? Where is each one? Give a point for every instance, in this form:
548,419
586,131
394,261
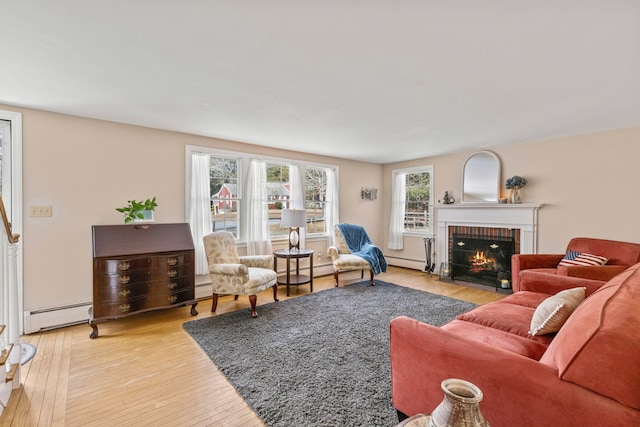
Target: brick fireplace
482,254
494,230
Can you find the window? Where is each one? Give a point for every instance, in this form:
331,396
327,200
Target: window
225,194
417,212
315,199
278,195
411,205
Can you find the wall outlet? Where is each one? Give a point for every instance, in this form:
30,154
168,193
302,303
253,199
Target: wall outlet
319,255
41,211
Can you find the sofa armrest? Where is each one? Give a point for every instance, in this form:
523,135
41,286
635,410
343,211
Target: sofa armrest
527,261
520,262
600,272
553,283
517,390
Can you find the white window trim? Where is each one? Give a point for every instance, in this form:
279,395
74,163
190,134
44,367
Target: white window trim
244,158
417,169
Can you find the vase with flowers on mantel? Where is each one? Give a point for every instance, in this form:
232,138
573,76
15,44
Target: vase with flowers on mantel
516,195
515,184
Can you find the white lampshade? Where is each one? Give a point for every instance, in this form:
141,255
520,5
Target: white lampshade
294,218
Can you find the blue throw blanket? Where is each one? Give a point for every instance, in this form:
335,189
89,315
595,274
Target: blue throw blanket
359,244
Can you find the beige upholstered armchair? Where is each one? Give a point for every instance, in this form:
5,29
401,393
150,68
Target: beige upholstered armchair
344,260
237,275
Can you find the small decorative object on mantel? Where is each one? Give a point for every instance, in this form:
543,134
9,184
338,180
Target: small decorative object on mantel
515,184
139,211
447,199
460,407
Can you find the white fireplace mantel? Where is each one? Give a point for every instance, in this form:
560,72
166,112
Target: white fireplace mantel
522,216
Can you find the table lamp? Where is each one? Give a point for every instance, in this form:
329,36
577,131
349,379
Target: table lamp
294,219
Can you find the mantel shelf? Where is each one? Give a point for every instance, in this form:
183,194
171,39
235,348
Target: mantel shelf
491,206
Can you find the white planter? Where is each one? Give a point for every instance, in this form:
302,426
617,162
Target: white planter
147,217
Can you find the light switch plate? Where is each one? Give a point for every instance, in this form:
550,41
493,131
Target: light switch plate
41,211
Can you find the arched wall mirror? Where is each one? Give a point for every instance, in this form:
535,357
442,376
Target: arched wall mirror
481,178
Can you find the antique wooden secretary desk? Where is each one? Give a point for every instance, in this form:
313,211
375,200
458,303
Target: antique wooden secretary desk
139,268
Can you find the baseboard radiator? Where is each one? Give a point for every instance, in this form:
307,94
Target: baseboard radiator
413,264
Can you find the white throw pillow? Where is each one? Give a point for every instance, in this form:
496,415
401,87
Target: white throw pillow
551,314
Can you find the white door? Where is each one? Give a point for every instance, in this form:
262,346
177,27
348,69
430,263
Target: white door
11,191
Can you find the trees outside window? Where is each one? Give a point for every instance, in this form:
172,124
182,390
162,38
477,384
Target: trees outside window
315,195
278,196
417,214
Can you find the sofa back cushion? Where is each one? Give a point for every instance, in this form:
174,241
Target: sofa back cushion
618,253
599,346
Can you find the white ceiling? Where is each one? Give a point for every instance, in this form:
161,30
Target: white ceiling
372,80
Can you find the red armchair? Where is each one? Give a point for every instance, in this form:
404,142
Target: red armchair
621,256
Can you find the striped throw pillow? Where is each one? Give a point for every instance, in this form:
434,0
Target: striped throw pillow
582,258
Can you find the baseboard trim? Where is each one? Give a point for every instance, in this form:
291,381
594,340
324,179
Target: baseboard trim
55,317
405,263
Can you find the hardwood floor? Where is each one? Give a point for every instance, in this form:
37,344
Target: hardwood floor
146,370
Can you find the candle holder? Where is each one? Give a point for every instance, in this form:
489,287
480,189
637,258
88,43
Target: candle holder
445,271
504,280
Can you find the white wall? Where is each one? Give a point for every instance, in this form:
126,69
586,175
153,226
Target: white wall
589,186
86,168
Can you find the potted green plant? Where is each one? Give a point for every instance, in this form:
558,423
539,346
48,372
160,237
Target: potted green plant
138,211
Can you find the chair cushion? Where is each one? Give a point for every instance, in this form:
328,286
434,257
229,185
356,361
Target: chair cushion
351,262
511,318
497,338
259,280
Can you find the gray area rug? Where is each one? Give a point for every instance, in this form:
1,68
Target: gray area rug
321,359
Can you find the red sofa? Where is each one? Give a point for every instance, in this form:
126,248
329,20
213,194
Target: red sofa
588,373
621,256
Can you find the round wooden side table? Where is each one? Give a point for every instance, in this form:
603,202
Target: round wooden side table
296,279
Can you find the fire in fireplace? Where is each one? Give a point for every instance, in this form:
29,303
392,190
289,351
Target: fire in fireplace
482,259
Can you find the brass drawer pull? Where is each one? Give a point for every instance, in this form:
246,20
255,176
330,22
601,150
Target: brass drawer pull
124,308
172,273
124,266
124,280
172,285
172,261
172,298
125,292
